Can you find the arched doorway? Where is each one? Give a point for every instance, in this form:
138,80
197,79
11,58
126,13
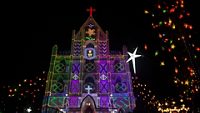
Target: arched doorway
88,105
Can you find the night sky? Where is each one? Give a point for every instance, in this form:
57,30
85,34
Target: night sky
30,31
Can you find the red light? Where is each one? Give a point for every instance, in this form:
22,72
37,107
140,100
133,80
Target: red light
198,49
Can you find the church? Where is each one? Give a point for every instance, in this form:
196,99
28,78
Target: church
90,78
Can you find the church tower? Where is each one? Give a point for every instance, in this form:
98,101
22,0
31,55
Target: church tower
89,79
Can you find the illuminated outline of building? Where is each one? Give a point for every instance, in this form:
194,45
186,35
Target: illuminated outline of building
90,77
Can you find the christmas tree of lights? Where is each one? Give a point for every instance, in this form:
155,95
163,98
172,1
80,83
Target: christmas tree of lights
176,54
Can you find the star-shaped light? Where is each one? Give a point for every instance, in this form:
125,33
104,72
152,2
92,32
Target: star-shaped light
132,57
90,32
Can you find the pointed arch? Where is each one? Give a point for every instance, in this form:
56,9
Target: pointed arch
90,45
88,101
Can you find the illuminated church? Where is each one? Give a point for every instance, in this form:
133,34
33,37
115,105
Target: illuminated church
90,79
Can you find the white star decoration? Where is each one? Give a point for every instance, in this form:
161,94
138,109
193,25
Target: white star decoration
132,57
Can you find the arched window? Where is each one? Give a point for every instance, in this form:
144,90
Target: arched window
89,85
89,52
90,45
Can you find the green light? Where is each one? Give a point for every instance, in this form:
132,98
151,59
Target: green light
89,38
160,23
156,53
164,11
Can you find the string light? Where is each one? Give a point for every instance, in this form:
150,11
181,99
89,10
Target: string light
175,43
27,89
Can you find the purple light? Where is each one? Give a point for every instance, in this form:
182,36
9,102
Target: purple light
73,102
104,101
75,87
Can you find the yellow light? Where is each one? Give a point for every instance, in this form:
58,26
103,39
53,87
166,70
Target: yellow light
162,63
182,5
173,46
173,26
186,82
182,82
160,35
146,12
170,21
181,100
173,110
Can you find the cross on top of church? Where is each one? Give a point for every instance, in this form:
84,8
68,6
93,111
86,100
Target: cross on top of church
91,10
88,88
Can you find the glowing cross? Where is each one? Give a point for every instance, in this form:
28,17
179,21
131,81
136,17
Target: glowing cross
132,57
88,88
91,10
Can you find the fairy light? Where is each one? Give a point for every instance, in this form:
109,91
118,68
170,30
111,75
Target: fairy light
184,71
27,89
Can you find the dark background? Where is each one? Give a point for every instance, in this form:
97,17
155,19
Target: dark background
29,30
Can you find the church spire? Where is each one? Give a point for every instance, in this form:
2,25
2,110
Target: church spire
91,10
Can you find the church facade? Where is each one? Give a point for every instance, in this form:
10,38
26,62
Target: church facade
89,79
